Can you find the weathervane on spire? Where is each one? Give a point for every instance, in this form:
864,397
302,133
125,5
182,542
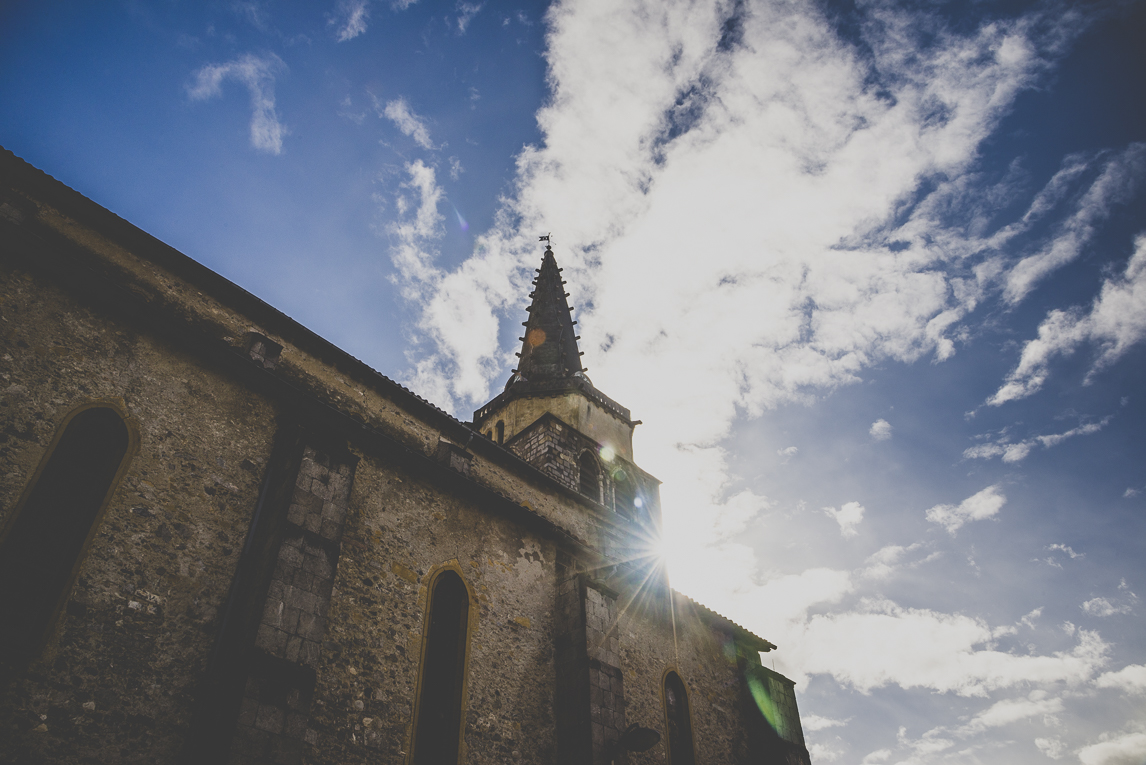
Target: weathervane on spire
547,239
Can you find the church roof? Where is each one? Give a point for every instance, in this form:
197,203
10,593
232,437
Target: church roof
549,347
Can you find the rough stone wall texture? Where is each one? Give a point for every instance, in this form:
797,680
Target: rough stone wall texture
555,448
400,528
704,659
116,679
606,681
272,722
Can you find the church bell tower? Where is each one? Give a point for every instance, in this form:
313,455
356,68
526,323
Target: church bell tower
551,415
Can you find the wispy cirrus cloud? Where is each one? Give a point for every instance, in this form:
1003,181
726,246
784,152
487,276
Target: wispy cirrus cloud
349,19
466,13
1016,451
1115,322
1120,173
405,119
258,74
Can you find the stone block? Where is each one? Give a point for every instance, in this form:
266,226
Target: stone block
247,711
270,639
295,726
293,648
289,621
270,718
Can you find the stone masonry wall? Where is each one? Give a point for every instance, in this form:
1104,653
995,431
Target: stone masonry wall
606,681
273,717
116,679
400,529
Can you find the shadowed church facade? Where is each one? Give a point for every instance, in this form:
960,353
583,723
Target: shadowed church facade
223,539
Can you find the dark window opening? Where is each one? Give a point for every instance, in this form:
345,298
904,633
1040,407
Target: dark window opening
500,432
679,722
624,492
590,476
39,555
443,667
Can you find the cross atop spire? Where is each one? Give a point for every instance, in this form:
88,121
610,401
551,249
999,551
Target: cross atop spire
549,347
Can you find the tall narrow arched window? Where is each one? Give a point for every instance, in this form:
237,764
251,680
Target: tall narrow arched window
500,431
41,548
439,713
590,476
679,720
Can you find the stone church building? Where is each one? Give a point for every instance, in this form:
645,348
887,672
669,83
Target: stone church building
224,540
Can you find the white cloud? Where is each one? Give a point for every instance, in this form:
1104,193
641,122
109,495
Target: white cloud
1009,711
977,507
660,140
1130,679
258,74
658,143
787,453
350,19
1051,747
880,430
879,755
823,752
1016,452
399,112
848,517
1103,607
1127,749
1065,549
1115,322
881,643
466,13
816,722
1130,493
1113,185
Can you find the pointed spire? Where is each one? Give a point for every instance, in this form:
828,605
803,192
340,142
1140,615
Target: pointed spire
549,347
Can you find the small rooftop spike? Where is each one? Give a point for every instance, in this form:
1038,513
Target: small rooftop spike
549,348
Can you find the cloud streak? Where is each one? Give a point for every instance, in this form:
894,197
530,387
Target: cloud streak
1115,322
985,504
350,19
1017,451
399,112
258,74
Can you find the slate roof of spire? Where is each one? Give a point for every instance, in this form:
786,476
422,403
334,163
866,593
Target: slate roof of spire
550,361
549,348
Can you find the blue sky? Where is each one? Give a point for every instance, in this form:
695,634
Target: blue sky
872,274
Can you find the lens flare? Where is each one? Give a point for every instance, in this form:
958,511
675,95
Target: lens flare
461,221
607,453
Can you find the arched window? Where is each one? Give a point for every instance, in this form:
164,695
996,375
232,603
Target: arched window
500,431
41,548
439,712
679,721
590,476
